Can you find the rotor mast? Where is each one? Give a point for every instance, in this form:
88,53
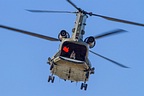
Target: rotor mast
79,26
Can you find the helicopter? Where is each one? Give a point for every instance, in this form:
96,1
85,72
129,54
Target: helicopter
71,62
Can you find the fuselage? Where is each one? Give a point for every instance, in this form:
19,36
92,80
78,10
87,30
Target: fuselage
71,61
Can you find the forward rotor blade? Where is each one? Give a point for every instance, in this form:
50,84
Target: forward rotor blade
114,32
109,60
73,5
29,33
117,20
47,11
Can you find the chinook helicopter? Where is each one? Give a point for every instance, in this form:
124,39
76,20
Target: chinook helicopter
71,62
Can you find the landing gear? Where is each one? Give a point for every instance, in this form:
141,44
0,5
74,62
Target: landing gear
51,78
51,67
51,63
84,86
92,70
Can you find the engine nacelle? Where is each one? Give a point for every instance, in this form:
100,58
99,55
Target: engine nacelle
90,41
63,34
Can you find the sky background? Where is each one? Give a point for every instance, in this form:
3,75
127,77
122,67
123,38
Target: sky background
23,68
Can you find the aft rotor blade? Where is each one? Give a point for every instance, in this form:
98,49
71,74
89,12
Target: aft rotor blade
117,20
73,5
29,33
114,32
109,59
48,11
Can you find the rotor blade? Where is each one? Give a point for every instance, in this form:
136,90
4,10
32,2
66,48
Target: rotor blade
29,33
117,31
117,20
73,5
109,60
47,11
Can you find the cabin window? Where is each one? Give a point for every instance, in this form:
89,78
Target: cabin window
73,51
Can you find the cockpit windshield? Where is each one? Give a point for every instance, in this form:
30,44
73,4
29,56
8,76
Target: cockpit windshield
73,51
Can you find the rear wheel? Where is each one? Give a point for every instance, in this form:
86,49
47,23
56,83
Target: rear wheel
51,78
84,86
81,86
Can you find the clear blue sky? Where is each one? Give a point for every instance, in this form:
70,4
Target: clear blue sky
23,68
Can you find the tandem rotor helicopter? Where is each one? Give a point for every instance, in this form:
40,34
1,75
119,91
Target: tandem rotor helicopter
71,62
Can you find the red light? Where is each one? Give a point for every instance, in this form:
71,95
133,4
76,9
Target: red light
66,49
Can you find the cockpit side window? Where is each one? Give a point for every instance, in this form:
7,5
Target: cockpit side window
73,51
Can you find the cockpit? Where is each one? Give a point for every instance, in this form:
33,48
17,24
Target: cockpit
73,51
